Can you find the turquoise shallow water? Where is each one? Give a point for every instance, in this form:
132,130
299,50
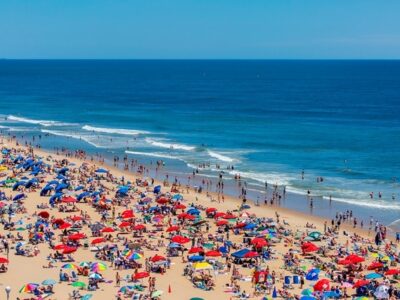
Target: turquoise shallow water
270,119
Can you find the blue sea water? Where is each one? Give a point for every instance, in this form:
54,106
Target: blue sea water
270,119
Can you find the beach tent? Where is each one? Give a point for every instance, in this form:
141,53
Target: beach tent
241,253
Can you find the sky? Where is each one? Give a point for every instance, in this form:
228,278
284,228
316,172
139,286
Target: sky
200,29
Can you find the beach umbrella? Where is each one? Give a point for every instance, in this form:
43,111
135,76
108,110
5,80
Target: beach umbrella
162,200
213,253
193,211
202,266
124,224
195,258
250,226
312,274
382,292
315,235
355,258
28,288
76,218
360,283
101,171
98,241
392,272
98,266
126,288
68,199
3,260
107,229
222,222
65,225
180,239
219,215
229,216
306,292
127,214
85,264
179,206
157,189
173,228
76,236
375,265
49,282
322,285
95,276
141,275
196,298
44,214
68,250
195,250
133,255
345,262
259,242
307,298
59,247
19,197
69,266
309,247
79,284
210,210
373,276
139,227
157,258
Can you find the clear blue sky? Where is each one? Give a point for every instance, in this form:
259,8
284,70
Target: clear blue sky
200,29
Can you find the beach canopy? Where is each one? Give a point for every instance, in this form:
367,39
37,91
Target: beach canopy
241,253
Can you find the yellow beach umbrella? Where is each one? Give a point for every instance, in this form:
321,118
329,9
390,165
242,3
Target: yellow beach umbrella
202,266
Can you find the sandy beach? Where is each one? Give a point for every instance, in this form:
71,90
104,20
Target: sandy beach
286,249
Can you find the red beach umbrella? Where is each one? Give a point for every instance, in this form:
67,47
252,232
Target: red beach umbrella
124,224
345,262
65,225
44,214
139,227
392,272
162,200
259,242
127,214
375,265
157,258
229,216
180,239
76,236
98,241
107,229
180,206
213,253
76,218
240,225
195,250
141,275
322,285
309,247
360,283
58,221
222,222
59,247
68,199
219,215
210,210
173,228
68,250
355,258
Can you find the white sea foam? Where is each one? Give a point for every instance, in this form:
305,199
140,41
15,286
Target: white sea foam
114,130
45,123
162,143
153,154
84,138
220,157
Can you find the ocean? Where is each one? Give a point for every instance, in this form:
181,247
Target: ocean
270,120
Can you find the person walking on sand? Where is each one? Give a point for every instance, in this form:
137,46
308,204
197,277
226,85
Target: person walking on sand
117,279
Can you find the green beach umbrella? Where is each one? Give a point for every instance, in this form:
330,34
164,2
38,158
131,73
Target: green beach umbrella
79,284
306,292
196,298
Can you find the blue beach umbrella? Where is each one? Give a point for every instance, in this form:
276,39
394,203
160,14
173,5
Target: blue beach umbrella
157,189
195,258
312,274
373,276
19,197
